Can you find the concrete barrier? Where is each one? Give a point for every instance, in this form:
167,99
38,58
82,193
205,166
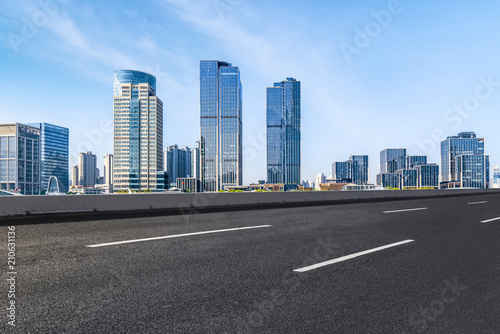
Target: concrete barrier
18,206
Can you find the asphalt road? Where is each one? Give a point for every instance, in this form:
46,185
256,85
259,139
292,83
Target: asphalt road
439,271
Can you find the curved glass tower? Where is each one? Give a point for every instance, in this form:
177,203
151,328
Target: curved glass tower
132,77
138,132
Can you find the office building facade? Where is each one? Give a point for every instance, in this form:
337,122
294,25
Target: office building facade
138,132
108,171
413,161
428,176
177,163
195,162
75,176
389,180
496,178
471,171
408,178
221,154
284,132
20,159
342,172
392,159
54,154
87,169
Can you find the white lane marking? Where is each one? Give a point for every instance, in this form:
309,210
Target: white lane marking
406,210
490,220
474,203
176,236
352,256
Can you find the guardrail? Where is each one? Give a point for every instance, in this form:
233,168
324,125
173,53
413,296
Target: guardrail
19,206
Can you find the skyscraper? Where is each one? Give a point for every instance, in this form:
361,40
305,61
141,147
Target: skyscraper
20,159
463,162
283,132
342,171
354,170
195,161
177,163
138,132
87,169
54,154
108,171
75,177
359,169
428,176
220,125
392,159
412,161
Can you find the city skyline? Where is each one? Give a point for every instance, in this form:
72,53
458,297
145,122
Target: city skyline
377,92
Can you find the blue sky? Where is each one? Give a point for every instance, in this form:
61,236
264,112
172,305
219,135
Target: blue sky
375,74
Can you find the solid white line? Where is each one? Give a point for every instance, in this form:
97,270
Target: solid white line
490,220
176,236
406,210
352,256
474,203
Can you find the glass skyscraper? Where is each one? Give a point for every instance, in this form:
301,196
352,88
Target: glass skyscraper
428,176
220,125
177,163
413,161
471,171
354,170
283,132
20,159
138,132
342,171
54,154
392,159
359,169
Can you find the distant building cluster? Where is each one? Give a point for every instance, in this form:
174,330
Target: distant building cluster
34,158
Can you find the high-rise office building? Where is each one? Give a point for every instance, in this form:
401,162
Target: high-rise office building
360,169
20,159
138,132
354,170
342,171
392,159
428,176
496,178
195,161
408,178
108,171
471,171
413,161
220,125
177,163
54,154
75,177
87,169
283,132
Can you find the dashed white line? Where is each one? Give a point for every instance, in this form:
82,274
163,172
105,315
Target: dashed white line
176,236
352,256
474,203
405,210
490,220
